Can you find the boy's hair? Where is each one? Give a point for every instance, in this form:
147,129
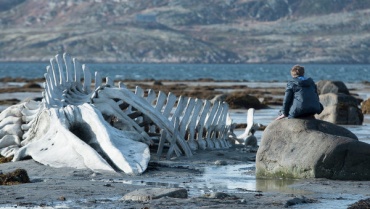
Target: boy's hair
297,71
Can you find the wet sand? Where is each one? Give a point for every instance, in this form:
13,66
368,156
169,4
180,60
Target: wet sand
228,171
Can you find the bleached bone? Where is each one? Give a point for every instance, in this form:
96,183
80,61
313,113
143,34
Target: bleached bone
209,127
142,105
103,127
86,140
250,125
191,126
200,125
184,112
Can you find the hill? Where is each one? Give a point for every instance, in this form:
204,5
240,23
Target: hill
191,31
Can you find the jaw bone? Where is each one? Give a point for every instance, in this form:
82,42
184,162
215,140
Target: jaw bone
108,127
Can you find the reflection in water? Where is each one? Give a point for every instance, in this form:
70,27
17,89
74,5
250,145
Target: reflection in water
278,185
229,179
242,178
150,183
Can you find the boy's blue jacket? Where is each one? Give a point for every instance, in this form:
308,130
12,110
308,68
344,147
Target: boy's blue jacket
301,98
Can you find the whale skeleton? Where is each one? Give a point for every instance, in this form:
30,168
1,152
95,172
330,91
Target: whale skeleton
102,126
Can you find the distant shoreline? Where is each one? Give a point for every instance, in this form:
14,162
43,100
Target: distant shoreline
197,72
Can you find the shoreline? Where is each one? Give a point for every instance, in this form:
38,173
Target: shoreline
71,188
32,88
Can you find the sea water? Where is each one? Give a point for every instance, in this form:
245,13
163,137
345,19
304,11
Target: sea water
219,72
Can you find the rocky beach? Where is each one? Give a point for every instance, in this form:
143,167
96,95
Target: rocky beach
208,179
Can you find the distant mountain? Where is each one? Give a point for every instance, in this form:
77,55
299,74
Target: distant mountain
187,31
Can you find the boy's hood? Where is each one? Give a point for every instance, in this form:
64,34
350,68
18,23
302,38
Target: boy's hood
302,81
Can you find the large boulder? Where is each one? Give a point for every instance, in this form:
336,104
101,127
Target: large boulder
326,86
310,148
340,109
339,106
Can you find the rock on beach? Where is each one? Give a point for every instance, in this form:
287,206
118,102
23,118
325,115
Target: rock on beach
310,148
326,86
340,107
148,194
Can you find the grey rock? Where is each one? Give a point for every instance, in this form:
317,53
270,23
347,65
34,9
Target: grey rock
326,86
155,193
251,141
309,148
297,200
340,109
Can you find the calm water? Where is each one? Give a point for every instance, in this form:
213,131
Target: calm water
221,72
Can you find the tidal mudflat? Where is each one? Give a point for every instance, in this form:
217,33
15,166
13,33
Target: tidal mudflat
212,178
